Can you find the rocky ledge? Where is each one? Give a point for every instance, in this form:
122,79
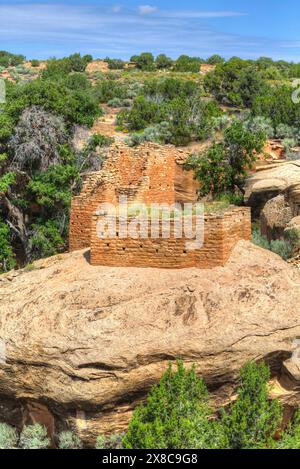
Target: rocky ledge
82,345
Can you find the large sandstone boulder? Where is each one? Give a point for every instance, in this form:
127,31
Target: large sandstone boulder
275,217
283,178
82,345
294,224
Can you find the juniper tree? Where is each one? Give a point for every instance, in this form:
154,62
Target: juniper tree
175,416
252,420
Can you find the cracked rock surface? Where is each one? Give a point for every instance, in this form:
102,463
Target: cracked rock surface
82,345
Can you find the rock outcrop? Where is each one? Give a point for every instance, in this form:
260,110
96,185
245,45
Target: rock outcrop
283,178
82,345
294,224
275,217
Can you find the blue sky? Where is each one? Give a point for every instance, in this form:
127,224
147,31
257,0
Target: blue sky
248,28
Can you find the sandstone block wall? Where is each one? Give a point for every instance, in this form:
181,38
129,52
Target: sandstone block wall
150,174
147,174
221,233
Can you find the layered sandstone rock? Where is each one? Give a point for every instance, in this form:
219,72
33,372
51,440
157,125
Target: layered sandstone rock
266,184
274,149
97,66
294,224
82,345
275,217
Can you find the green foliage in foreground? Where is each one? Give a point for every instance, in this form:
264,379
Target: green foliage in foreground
8,437
176,415
285,248
290,439
252,420
113,441
68,440
34,437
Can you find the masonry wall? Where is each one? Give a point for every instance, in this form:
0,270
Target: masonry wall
147,174
94,192
221,233
236,226
150,174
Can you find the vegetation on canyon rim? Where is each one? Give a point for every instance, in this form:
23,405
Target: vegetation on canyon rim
235,107
178,415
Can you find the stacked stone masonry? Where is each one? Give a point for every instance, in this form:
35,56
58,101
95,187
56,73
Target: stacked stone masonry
221,233
150,174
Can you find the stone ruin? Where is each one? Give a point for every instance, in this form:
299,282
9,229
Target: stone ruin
151,174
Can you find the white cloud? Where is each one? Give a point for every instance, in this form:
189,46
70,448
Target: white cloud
116,9
146,9
201,14
48,29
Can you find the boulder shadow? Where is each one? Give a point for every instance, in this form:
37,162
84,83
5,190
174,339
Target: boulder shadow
87,256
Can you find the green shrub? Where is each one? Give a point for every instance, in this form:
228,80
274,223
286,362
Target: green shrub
8,436
158,133
253,419
115,102
34,437
293,155
163,62
281,247
276,104
101,442
175,102
236,82
259,240
290,438
286,131
229,198
79,63
77,81
7,59
51,189
46,239
77,106
35,63
115,64
215,60
113,441
7,257
127,102
292,236
68,440
175,416
223,167
184,63
21,70
260,124
99,140
144,61
106,90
